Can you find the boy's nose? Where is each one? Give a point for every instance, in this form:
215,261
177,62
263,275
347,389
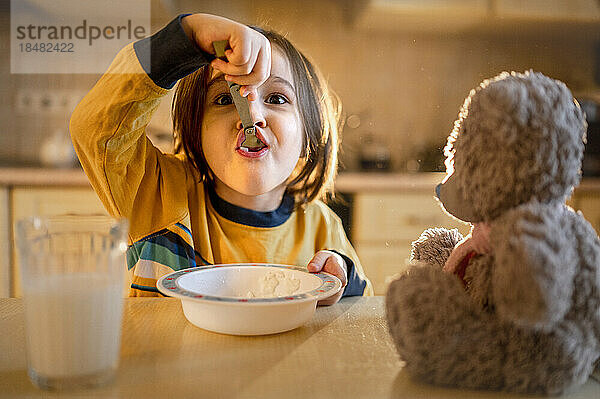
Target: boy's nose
257,117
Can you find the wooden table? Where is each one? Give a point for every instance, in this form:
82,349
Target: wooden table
344,352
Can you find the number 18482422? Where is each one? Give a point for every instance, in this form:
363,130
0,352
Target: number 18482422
46,47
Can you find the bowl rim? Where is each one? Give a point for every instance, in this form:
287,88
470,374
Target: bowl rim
168,286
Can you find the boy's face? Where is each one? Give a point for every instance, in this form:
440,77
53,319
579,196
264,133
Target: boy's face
278,124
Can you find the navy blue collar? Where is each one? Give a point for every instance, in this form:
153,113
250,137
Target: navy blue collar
249,217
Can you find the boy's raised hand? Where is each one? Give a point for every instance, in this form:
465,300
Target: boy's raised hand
249,59
332,263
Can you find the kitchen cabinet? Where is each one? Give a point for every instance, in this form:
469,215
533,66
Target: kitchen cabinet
462,16
4,243
385,224
389,211
417,16
558,10
30,201
588,202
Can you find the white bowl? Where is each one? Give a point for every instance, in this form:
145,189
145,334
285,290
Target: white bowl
238,298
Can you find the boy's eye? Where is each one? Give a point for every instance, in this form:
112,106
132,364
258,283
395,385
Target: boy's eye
224,99
276,99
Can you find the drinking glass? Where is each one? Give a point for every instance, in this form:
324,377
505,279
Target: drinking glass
72,279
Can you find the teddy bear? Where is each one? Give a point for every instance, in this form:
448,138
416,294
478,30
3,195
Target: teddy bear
515,305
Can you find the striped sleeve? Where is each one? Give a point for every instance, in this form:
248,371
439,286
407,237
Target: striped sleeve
160,253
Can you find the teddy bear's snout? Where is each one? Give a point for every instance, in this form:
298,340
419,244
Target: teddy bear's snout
451,198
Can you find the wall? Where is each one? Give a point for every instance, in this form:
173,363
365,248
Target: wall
409,87
406,88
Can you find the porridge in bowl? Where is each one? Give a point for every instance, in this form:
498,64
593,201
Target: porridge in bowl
248,299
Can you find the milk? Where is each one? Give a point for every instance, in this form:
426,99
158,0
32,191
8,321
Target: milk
73,324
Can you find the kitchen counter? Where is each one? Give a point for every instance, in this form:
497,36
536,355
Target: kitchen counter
347,182
343,352
37,176
424,181
378,182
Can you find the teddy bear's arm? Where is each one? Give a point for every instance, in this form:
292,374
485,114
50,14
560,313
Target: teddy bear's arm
535,264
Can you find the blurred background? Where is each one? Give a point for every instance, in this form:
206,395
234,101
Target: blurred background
401,68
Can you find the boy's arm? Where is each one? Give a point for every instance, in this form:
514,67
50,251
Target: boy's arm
169,54
336,256
108,130
358,283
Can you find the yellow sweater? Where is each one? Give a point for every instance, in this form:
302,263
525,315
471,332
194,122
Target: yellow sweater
174,224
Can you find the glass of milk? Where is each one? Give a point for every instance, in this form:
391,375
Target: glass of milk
72,270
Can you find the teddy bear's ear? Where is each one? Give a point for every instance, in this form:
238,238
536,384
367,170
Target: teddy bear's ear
452,199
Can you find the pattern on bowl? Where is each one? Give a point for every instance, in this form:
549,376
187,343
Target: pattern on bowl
171,285
215,297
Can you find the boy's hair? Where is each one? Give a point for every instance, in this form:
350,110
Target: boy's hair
319,111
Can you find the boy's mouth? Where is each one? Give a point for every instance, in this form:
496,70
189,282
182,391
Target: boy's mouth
253,152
